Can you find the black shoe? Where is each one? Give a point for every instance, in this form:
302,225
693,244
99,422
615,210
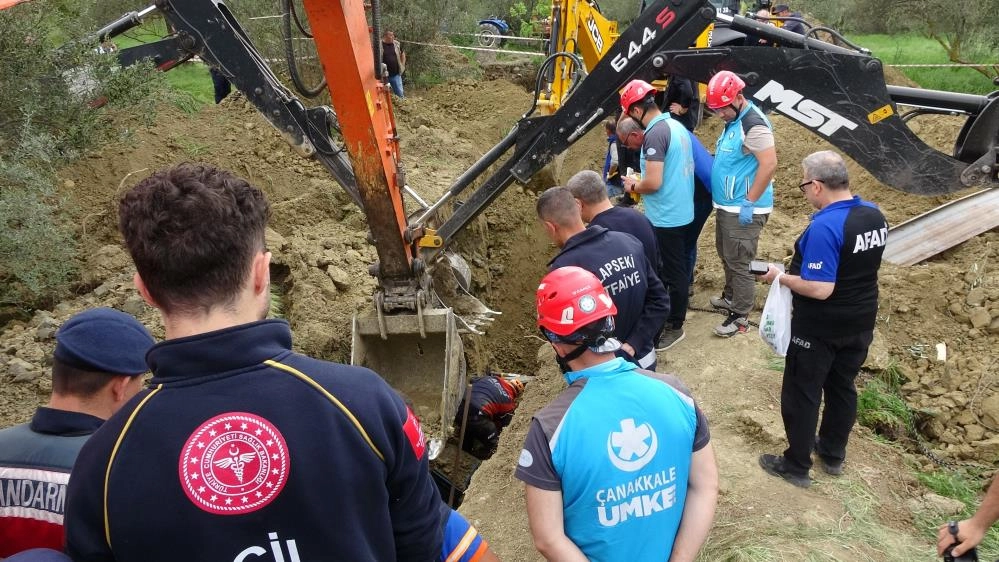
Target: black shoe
832,468
774,466
670,337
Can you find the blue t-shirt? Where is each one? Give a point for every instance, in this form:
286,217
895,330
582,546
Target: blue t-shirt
843,245
618,444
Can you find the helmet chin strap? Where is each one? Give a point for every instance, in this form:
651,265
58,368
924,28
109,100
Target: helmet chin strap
563,360
640,120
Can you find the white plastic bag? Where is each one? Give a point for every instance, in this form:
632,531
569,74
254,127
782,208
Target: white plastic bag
775,322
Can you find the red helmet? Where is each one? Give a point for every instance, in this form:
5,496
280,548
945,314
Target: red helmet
723,88
514,387
571,298
635,91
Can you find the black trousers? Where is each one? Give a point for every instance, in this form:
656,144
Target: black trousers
815,367
675,271
481,435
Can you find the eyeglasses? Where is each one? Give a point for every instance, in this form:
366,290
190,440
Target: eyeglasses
802,186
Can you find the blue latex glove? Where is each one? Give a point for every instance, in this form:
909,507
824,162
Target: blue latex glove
746,212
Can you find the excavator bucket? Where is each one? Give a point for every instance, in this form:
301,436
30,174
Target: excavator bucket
421,356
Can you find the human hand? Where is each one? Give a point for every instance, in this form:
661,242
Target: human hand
969,534
676,108
626,347
772,272
746,212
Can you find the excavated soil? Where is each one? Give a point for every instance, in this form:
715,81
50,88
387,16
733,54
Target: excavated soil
321,258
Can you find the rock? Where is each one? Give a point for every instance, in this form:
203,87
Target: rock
990,410
920,275
273,240
936,390
979,317
69,184
974,432
942,505
21,370
879,354
987,450
976,297
958,398
102,290
340,278
133,305
994,325
46,329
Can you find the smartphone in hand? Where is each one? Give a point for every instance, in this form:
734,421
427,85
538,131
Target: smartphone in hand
759,267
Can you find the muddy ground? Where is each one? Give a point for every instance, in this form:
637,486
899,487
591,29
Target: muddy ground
876,511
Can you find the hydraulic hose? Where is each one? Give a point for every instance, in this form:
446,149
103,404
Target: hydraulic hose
289,51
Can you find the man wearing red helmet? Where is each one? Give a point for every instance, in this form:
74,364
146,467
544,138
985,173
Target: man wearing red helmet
742,191
493,401
667,187
619,466
620,262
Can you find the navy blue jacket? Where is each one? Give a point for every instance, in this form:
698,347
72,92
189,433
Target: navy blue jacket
633,222
240,447
619,261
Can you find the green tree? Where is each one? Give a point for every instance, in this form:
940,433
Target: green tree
49,115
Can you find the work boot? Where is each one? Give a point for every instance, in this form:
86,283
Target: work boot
832,468
722,303
775,466
733,325
669,338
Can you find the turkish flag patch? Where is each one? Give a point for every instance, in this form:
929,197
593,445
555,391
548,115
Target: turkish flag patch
414,433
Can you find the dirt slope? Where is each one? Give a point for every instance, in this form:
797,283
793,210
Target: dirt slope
321,258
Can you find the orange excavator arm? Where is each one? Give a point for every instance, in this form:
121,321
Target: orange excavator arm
343,41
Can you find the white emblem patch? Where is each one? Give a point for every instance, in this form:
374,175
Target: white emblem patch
526,458
650,152
234,463
633,447
587,304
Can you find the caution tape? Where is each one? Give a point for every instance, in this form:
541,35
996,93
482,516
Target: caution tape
956,64
504,51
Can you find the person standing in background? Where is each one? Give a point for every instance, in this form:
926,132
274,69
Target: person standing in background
394,59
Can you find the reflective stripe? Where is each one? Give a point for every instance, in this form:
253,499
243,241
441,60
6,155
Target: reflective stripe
114,451
463,544
647,360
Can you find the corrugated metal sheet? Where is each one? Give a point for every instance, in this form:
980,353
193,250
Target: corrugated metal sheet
944,227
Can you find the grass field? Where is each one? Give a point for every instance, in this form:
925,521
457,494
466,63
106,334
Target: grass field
192,78
915,49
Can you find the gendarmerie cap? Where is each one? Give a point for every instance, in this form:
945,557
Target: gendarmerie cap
104,340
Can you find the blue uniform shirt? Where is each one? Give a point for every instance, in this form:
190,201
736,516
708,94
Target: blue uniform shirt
843,245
